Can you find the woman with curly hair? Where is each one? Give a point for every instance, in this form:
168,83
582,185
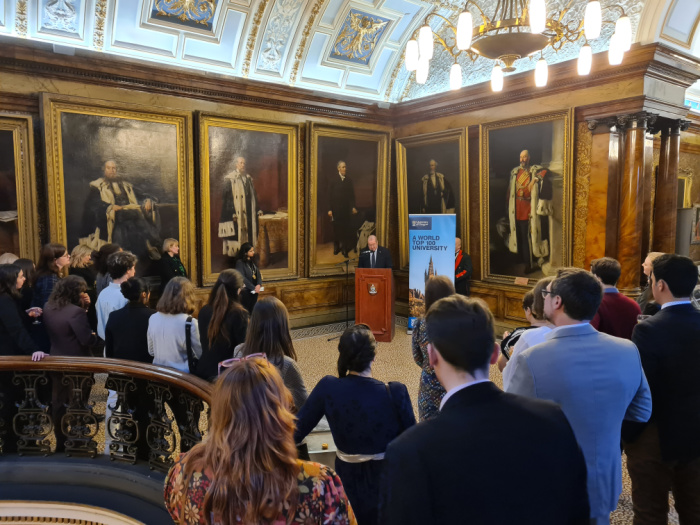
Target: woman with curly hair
246,470
65,317
364,414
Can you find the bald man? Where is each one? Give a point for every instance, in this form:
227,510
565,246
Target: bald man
375,256
529,199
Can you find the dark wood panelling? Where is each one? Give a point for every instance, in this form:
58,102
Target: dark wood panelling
514,308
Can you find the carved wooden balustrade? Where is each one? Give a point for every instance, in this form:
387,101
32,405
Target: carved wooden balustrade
137,424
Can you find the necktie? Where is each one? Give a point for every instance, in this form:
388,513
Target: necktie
373,259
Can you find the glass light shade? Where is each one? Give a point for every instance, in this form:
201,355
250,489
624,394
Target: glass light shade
593,20
497,78
615,51
412,55
541,73
455,77
623,27
585,60
422,70
464,30
538,16
425,42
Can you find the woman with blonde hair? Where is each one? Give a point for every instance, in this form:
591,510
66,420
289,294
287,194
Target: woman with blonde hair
171,330
81,265
170,263
246,470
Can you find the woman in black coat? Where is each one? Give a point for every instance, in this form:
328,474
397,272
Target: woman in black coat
127,328
251,276
222,323
170,263
14,338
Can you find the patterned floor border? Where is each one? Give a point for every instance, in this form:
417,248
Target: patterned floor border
335,328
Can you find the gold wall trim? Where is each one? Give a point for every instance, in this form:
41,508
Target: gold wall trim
25,180
252,37
302,43
98,37
582,181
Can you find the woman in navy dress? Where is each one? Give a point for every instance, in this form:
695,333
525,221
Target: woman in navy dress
364,414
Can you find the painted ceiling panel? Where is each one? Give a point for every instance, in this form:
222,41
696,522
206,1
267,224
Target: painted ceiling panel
313,69
358,38
370,83
198,14
129,38
223,53
279,35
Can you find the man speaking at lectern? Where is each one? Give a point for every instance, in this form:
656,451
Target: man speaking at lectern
376,257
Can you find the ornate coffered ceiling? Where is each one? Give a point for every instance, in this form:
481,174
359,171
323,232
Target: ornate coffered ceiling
348,47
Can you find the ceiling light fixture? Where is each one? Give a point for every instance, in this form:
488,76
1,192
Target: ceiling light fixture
517,29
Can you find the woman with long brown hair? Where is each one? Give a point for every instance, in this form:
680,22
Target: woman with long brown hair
222,323
246,470
268,332
54,257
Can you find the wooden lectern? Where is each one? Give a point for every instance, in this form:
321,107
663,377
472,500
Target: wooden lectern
374,301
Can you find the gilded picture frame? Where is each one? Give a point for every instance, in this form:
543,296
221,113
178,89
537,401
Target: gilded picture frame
366,156
537,215
414,155
270,153
17,151
150,153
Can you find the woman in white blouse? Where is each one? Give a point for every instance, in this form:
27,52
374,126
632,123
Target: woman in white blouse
167,329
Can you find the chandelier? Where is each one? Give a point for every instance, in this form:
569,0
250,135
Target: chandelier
516,30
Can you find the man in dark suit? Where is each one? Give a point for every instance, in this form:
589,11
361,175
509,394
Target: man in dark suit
488,457
342,209
666,456
376,257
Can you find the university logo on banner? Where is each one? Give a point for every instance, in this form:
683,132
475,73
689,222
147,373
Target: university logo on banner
431,241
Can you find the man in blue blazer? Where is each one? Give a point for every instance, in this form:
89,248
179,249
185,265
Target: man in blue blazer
597,379
666,456
488,457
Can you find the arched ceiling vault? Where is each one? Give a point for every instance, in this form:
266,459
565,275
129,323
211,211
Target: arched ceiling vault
348,47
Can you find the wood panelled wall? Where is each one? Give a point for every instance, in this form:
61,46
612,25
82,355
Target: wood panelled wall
652,80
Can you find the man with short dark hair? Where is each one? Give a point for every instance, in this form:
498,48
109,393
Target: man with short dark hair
121,266
617,313
666,456
488,457
596,378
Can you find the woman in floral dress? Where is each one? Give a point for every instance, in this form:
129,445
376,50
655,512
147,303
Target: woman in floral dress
246,470
430,392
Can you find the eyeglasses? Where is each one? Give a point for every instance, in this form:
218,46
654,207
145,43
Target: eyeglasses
545,293
228,363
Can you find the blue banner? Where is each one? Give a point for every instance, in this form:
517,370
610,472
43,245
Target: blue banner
431,245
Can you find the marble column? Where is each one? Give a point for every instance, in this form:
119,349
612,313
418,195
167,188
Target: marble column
666,200
629,233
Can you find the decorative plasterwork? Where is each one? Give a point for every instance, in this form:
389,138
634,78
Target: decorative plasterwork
99,31
252,37
186,13
21,17
60,15
302,43
358,37
274,45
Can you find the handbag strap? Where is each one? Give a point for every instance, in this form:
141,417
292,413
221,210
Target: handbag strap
396,410
188,339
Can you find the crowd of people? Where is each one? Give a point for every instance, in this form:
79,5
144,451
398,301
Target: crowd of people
591,376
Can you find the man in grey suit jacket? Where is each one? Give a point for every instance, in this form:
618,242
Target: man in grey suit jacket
596,378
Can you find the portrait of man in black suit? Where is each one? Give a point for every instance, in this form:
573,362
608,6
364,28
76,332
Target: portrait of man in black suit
341,209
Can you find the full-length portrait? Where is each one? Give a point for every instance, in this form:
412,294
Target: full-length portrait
119,176
525,185
348,170
432,179
249,184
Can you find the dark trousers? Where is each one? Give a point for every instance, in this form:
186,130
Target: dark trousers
653,478
522,230
248,300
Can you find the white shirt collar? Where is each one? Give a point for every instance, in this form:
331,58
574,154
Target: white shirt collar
674,303
342,177
556,328
456,389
